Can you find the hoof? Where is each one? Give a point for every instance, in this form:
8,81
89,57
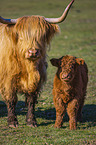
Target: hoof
13,125
73,128
31,125
57,126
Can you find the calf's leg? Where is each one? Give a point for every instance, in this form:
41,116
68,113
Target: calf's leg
72,110
60,111
30,117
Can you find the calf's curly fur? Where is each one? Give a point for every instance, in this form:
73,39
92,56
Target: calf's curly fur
69,89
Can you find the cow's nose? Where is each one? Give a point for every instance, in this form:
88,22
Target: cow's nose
64,76
33,52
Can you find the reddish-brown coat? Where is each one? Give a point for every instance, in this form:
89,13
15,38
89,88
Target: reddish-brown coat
69,89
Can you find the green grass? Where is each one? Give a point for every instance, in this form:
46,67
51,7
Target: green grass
78,38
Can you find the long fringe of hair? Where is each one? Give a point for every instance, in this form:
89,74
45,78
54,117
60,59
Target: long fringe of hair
28,32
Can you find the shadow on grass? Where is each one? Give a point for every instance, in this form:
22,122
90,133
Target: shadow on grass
89,113
3,109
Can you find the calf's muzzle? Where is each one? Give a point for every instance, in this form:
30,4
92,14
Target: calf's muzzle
66,76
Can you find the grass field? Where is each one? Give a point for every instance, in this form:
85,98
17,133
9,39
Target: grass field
78,38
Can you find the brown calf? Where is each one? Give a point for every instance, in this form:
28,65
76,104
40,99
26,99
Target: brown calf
69,89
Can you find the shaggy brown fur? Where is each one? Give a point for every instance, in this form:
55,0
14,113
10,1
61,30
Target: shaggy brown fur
69,89
23,62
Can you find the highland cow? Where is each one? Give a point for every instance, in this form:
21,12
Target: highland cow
69,89
23,46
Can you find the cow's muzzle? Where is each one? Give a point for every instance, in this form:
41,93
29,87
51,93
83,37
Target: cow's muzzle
32,54
66,76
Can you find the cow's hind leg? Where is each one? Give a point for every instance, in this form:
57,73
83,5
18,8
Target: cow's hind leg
79,114
12,119
30,117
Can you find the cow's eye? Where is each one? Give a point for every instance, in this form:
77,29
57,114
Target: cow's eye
72,66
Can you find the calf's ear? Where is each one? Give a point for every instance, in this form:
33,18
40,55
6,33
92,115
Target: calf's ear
54,62
80,61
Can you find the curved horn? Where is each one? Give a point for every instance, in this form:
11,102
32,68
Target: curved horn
62,18
8,21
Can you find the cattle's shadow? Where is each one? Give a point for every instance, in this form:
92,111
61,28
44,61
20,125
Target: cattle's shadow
20,108
89,113
3,109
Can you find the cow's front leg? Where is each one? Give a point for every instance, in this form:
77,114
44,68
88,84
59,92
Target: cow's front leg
72,110
12,119
30,117
60,111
